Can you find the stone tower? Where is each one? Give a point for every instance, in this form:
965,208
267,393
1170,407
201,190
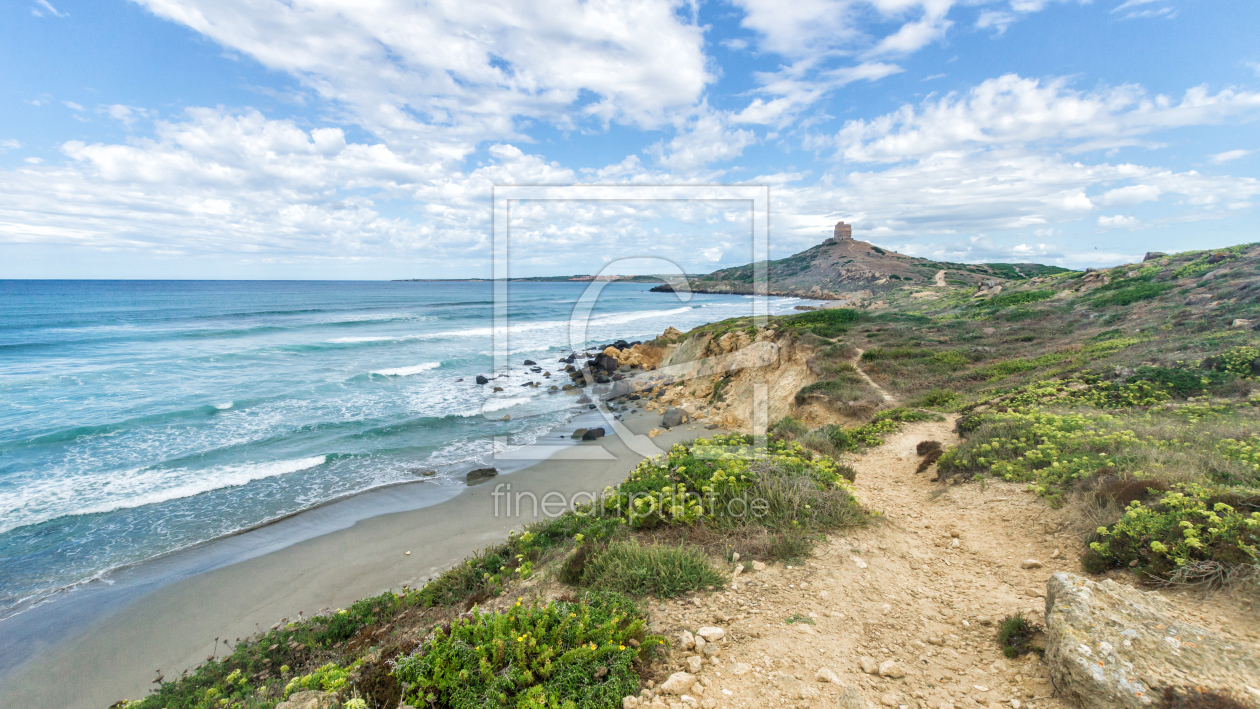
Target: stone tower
844,232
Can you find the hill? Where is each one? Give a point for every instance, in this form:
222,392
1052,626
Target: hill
844,268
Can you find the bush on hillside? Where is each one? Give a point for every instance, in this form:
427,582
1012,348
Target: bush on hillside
578,654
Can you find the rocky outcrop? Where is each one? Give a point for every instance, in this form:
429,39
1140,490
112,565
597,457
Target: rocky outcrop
309,700
480,475
674,417
1110,645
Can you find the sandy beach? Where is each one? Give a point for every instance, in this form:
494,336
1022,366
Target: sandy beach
174,627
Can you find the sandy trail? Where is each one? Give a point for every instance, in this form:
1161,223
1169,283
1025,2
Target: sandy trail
857,363
901,590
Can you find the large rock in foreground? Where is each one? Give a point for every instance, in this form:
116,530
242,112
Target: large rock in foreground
1111,645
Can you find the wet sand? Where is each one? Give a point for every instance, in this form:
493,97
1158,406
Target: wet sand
173,627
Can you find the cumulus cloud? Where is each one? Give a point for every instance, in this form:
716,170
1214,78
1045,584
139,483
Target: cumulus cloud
1118,221
1012,110
454,73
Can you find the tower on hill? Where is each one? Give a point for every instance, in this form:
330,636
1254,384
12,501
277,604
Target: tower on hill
844,232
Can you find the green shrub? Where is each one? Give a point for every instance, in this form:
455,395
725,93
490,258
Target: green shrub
879,353
1001,370
572,654
951,359
1006,300
1015,636
859,437
1241,361
642,569
905,414
937,399
829,323
1180,382
1132,294
788,427
1184,526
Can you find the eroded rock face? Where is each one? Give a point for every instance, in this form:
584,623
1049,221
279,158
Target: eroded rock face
309,700
1111,645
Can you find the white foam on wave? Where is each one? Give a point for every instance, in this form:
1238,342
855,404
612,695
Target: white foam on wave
133,488
224,407
408,371
496,405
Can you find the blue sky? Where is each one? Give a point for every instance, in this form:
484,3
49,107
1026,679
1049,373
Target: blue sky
322,139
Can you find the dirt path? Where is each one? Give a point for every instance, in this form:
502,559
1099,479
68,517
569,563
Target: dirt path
857,364
924,587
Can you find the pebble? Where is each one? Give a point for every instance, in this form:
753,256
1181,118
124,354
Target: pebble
1030,564
678,683
758,566
687,640
890,668
711,633
694,663
868,664
825,674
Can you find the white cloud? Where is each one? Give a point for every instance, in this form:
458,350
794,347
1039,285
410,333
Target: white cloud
450,74
995,19
1129,196
9,144
1118,221
1228,155
47,6
1136,9
1012,110
33,161
797,87
124,114
703,139
72,105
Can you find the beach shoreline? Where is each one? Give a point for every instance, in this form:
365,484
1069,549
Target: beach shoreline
115,643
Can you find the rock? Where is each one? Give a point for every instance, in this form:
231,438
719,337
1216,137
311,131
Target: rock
529,363
1110,645
888,700
1034,592
583,399
578,433
592,434
1030,564
654,433
694,663
739,669
619,389
739,569
711,633
1150,256
481,379
686,640
309,700
700,643
629,702
497,389
678,683
868,664
672,332
1240,322
794,688
480,475
825,674
758,566
674,417
851,698
710,649
890,668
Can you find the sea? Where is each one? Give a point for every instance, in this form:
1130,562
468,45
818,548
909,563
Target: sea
138,418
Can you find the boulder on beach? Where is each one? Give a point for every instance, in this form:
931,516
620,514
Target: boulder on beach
480,475
619,388
529,363
674,417
578,433
607,362
592,434
481,379
584,399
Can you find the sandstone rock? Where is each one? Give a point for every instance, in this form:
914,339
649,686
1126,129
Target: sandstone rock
1030,564
678,683
890,668
795,688
700,643
869,666
710,650
309,700
851,698
654,433
1110,645
824,674
694,663
629,702
739,669
686,640
480,475
711,633
758,566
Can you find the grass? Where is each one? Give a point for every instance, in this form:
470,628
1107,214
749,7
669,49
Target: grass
1015,636
642,569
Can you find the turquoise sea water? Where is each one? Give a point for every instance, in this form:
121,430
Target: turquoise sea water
140,417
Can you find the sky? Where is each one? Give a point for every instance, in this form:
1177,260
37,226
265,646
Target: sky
361,139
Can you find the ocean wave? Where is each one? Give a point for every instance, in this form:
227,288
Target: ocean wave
224,407
407,371
135,488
